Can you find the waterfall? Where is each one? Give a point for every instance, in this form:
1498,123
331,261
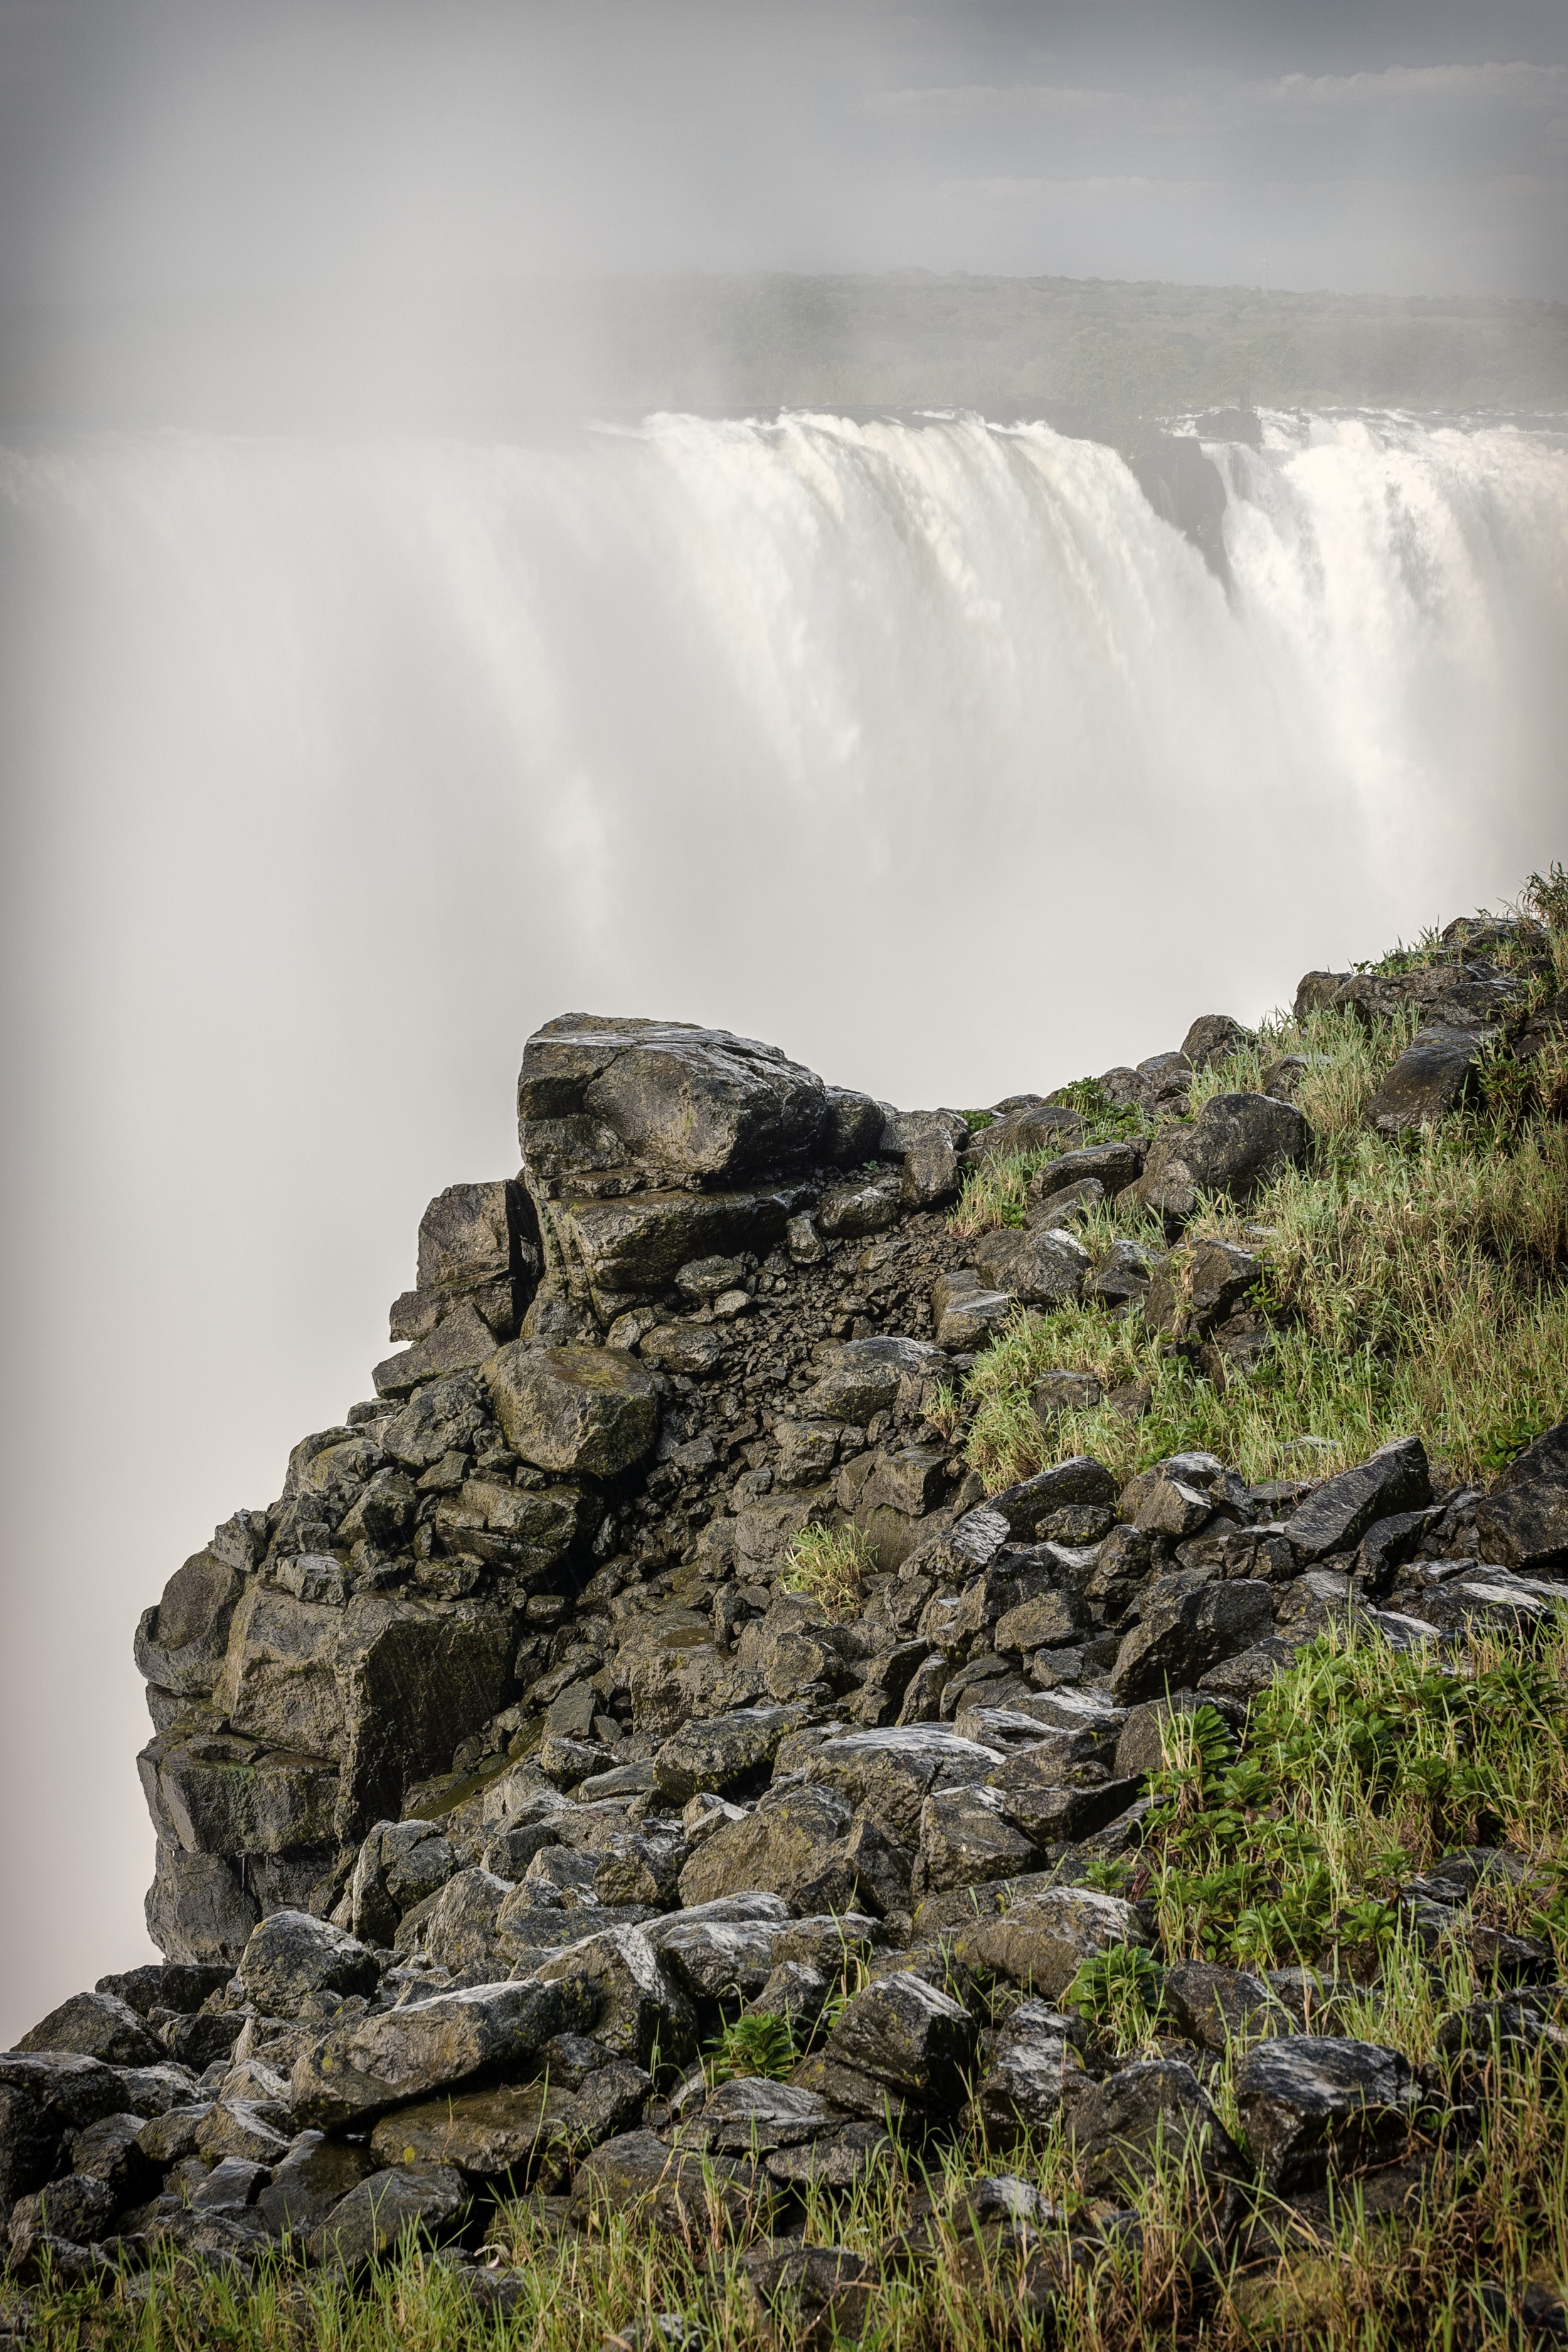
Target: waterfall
922,747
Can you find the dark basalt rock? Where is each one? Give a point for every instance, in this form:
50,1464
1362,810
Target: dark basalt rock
1310,2104
1525,1520
1438,1071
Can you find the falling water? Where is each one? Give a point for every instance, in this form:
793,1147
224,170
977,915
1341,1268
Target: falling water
923,748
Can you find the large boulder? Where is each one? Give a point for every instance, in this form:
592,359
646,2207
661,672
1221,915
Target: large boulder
1234,1144
1043,1936
358,2070
1039,1266
1336,1515
1438,1070
181,1644
422,2200
1524,1522
1311,2103
606,1251
597,1092
638,2009
1177,1640
1117,2128
196,1910
790,1846
96,2025
291,1957
905,2032
45,2098
580,1411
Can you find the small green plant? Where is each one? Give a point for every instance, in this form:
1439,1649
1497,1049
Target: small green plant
1121,1991
758,2043
829,1565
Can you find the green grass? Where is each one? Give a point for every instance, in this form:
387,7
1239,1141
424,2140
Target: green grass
829,1565
1416,1285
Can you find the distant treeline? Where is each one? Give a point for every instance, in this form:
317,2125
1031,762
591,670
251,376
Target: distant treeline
1105,351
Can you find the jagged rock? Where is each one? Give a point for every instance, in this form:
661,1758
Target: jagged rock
966,1838
890,1773
250,2129
96,2025
1037,1266
45,2097
425,2200
574,1409
1438,1070
291,1957
1115,2126
1138,1744
1033,1125
904,2031
1213,2006
1178,1640
483,2133
1336,1515
1523,1521
110,2150
854,1211
595,1092
787,1847
1314,2102
459,1343
1213,1037
637,2006
181,1644
1041,1939
311,2182
1035,2051
1080,1480
358,2070
863,1376
810,2296
196,1910
684,2193
710,1956
1236,1143
77,2209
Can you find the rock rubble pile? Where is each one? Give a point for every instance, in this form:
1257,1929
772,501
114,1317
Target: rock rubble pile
500,1763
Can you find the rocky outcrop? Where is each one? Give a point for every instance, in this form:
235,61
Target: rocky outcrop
498,1764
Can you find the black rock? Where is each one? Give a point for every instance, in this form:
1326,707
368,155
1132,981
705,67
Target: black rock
1314,2102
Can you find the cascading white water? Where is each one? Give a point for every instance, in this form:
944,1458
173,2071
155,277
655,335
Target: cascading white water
923,748
756,722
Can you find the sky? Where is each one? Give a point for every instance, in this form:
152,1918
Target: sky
183,149
269,922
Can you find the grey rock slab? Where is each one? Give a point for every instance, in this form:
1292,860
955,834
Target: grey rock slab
713,1958
1178,1640
1236,1143
1216,2006
1079,1480
358,2070
314,2177
1041,1938
96,2025
594,1090
1115,2126
423,2200
575,1410
787,1847
685,2193
1033,2055
1336,1515
636,2005
904,2031
1524,1522
1437,1072
1316,2102
965,1838
499,2129
891,1772
1038,1265
291,1957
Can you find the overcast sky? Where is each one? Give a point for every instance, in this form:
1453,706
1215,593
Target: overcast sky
216,147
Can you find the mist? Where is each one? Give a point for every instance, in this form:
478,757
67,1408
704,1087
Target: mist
376,681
